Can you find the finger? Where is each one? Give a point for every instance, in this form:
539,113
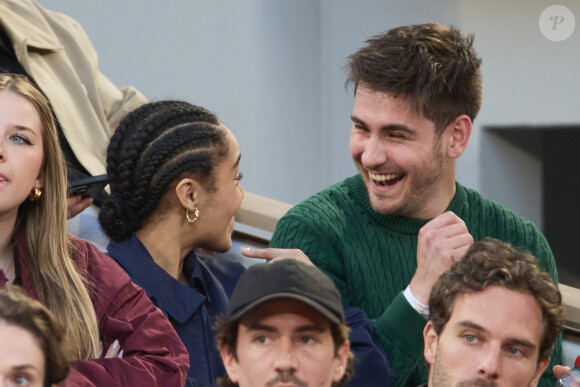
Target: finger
443,220
73,200
270,253
559,370
459,244
256,253
113,350
451,236
120,355
448,231
78,205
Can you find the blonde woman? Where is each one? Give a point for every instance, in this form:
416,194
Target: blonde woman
91,296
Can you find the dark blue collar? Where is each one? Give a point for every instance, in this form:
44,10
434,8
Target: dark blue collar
171,296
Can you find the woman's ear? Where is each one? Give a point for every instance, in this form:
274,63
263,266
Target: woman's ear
40,180
188,193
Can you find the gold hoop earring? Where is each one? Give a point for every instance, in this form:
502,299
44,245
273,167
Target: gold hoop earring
195,212
34,194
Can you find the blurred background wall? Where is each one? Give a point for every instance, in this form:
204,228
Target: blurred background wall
272,71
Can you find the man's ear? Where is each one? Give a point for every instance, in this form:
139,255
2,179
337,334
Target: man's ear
431,341
230,363
458,132
341,362
188,193
539,371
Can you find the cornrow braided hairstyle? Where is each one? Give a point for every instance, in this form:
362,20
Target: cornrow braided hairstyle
152,147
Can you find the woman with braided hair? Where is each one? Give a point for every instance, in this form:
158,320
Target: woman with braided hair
89,294
175,186
173,170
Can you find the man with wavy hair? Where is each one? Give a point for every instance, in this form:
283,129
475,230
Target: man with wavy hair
494,317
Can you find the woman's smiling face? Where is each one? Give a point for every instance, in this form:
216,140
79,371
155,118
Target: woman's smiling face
220,205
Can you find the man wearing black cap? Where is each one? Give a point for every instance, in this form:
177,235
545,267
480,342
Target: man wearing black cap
285,325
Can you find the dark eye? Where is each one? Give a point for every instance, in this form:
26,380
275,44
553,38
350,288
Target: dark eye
240,176
262,339
307,339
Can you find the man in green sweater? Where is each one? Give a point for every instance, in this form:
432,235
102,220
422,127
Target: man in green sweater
386,234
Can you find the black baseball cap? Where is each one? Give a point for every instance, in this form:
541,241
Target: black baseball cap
286,278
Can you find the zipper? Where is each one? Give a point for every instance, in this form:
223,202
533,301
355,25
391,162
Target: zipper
207,349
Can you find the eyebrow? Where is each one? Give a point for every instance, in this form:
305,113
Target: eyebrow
301,329
261,327
511,340
24,129
24,367
386,128
237,161
471,324
310,328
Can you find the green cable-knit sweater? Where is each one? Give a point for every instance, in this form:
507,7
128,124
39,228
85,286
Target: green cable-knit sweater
372,258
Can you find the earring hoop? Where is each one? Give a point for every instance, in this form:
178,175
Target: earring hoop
195,212
35,194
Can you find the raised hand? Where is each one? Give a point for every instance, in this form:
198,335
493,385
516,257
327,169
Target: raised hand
440,242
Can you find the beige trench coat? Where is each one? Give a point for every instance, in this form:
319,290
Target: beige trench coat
56,52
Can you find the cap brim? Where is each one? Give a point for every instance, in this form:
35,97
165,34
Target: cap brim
315,305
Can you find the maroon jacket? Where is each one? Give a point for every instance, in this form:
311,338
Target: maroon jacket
153,354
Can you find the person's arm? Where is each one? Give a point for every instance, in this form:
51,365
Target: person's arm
371,365
399,329
107,99
440,242
153,354
117,102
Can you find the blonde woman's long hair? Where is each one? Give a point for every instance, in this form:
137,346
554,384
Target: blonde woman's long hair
55,278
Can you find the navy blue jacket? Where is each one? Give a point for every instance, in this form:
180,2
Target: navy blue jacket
192,311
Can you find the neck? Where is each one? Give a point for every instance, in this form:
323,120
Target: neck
6,230
441,195
6,249
163,241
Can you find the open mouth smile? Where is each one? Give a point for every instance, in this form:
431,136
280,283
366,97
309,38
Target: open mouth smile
385,180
